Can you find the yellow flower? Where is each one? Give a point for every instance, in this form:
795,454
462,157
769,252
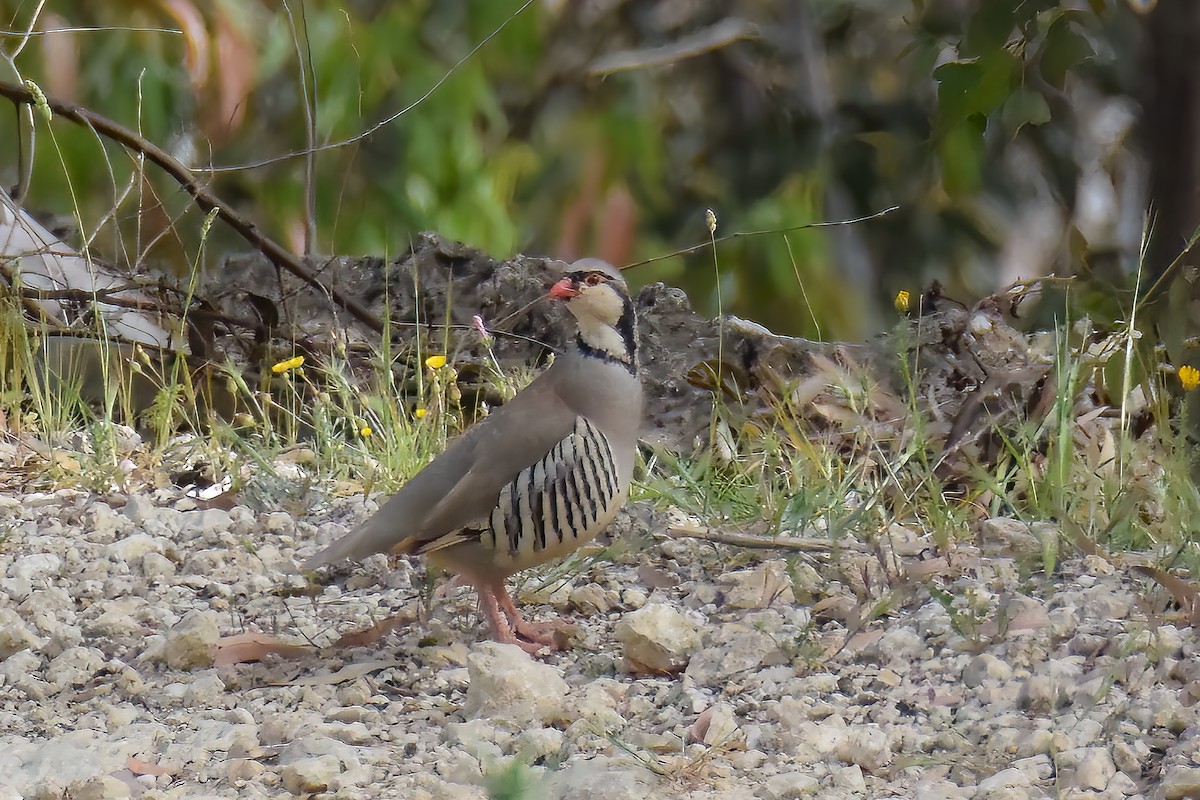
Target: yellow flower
288,364
420,413
435,362
1189,378
364,431
902,301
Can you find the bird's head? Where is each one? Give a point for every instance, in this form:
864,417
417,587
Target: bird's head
595,293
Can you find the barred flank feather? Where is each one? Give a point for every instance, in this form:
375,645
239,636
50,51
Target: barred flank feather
564,497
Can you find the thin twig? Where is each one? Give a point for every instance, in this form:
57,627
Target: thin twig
205,198
804,544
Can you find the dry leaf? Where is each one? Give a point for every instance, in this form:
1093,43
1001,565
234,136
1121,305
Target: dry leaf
374,633
1184,593
245,647
139,767
653,577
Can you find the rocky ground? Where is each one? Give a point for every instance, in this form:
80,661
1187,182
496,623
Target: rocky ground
695,670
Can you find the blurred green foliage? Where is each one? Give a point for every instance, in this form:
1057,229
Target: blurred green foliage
983,121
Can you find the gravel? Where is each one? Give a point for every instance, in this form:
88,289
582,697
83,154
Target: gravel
693,670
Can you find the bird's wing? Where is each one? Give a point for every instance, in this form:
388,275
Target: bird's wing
462,484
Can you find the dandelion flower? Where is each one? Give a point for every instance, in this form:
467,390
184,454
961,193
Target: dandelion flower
364,431
288,364
420,413
1189,377
902,301
435,362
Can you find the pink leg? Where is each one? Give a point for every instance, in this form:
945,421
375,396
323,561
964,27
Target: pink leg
502,627
543,634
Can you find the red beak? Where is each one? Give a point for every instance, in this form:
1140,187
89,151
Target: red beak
563,289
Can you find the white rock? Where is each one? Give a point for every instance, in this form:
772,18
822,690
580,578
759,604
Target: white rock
866,746
139,507
600,778
14,635
190,641
204,689
1006,779
101,787
1093,767
210,520
507,684
35,567
985,667
311,775
765,585
596,710
658,637
850,778
736,654
535,744
134,547
788,786
156,566
1038,768
1122,783
1009,537
721,727
479,737
1180,782
75,666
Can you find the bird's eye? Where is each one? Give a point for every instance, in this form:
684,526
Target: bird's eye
593,279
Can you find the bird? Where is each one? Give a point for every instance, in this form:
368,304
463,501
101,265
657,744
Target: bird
537,478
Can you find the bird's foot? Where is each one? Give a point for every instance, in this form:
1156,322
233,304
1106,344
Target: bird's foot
547,634
531,647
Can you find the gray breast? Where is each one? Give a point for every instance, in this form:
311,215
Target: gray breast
562,499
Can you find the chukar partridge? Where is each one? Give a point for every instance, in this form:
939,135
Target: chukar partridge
540,477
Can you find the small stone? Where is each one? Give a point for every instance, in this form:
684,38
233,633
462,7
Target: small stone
1180,782
736,654
138,507
135,547
658,638
75,666
204,690
1006,779
591,599
311,775
190,642
788,786
867,747
1002,536
600,778
761,587
507,684
984,667
633,598
101,787
156,566
14,635
35,567
209,520
1039,694
718,725
537,744
1121,783
850,778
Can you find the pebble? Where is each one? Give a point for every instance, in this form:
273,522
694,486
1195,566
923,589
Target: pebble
507,684
190,641
657,638
108,618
